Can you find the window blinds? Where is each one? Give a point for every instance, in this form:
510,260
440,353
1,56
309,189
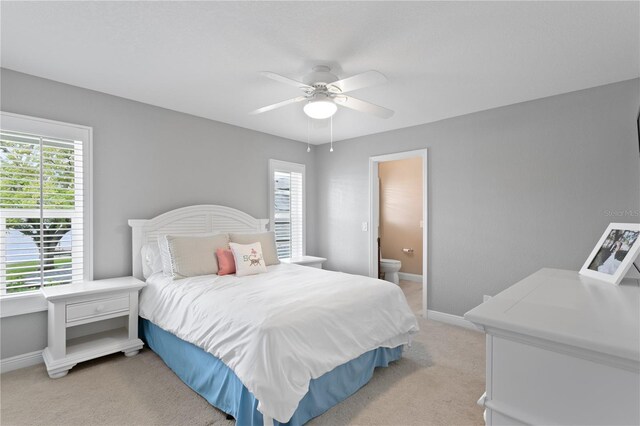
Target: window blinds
297,228
41,211
288,213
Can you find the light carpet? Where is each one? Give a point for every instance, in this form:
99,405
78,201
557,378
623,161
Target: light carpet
437,382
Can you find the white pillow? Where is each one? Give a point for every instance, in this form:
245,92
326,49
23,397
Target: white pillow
151,261
249,259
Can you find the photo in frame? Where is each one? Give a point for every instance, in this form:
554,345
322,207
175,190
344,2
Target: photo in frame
614,254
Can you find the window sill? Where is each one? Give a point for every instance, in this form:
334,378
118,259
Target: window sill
20,304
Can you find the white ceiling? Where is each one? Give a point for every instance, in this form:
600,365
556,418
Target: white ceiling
442,59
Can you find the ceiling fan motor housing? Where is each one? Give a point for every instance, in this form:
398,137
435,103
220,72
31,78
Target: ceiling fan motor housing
320,77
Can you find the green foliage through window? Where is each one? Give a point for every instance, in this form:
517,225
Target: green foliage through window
38,182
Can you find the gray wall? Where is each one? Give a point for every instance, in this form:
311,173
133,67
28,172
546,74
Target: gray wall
146,161
511,190
22,334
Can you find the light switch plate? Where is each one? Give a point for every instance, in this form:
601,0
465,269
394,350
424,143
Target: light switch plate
365,226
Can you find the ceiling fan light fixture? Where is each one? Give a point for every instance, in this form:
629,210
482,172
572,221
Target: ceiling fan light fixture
320,108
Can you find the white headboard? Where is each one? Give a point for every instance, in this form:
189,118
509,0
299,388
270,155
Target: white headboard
189,220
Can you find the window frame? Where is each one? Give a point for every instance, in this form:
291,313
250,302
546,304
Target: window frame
33,301
288,167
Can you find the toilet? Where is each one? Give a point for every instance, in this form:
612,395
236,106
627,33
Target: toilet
390,267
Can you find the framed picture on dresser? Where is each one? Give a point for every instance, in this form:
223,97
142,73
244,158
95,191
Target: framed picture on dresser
614,254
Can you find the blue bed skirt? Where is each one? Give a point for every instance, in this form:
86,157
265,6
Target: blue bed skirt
218,384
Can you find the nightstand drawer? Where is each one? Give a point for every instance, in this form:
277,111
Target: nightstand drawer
96,308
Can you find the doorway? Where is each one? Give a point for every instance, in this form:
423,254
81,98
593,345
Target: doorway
375,214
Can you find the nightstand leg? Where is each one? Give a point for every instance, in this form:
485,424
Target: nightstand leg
131,353
57,332
133,315
54,369
58,374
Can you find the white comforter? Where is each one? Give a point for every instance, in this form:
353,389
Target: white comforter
280,329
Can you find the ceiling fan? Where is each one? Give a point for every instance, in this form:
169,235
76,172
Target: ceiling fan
323,92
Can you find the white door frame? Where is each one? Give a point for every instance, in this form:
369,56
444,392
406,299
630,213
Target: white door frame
374,213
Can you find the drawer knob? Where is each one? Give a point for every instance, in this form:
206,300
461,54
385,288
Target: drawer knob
99,308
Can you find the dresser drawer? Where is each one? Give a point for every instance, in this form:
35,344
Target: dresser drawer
97,308
536,385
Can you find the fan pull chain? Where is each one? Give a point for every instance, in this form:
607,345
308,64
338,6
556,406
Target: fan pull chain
331,125
308,124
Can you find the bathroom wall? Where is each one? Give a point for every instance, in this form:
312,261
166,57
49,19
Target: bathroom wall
401,212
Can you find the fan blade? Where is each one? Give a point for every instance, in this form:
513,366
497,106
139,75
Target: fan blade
358,81
287,80
278,105
363,106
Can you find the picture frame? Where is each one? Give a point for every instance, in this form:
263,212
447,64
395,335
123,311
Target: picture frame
614,253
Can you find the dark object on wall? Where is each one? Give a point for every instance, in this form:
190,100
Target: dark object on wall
380,273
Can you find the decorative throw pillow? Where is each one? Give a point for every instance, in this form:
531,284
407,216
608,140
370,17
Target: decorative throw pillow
226,262
248,258
267,241
190,256
165,255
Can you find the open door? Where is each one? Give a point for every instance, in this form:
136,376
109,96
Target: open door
375,249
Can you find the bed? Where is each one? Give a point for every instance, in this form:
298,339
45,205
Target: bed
278,348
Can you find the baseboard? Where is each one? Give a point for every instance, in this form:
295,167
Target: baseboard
410,277
20,361
451,319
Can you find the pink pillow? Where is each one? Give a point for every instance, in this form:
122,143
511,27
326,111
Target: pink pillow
226,262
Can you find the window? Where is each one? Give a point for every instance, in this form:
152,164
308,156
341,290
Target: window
287,207
44,203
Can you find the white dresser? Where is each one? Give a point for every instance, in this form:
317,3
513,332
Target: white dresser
562,349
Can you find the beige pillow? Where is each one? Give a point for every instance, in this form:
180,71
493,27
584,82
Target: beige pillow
192,256
266,239
249,259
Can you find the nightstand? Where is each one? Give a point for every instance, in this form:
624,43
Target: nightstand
87,310
314,262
